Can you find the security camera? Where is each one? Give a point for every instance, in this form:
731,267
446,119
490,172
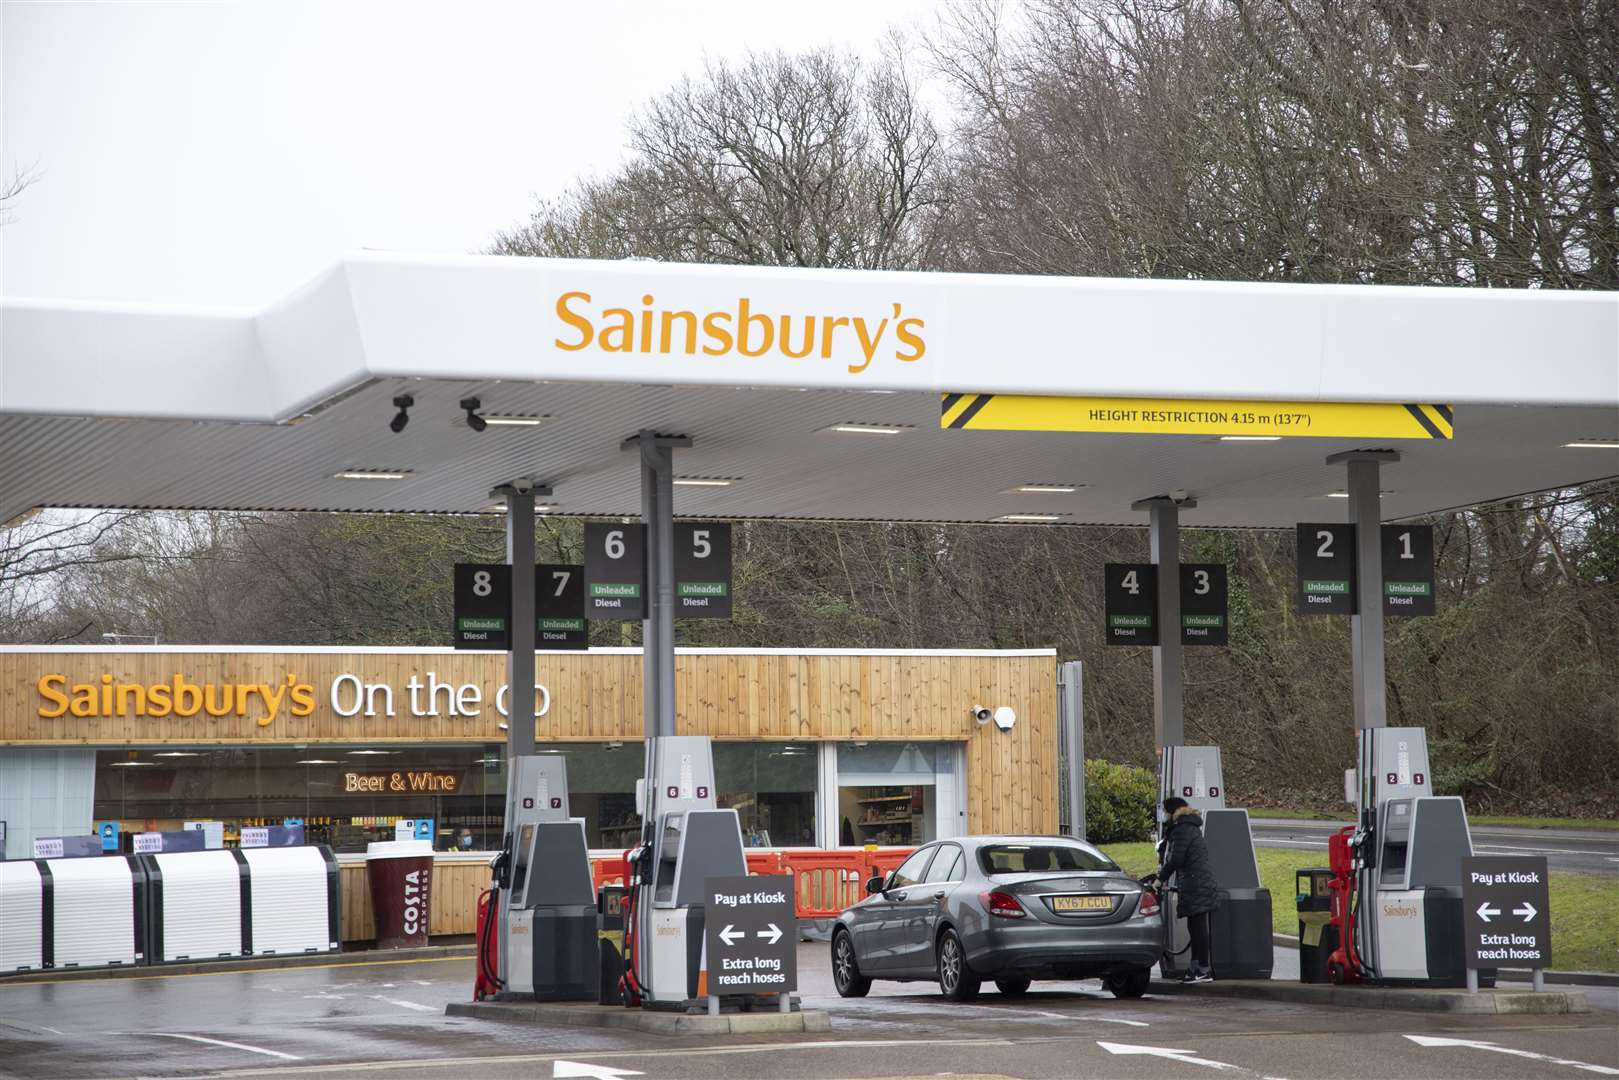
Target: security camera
982,713
522,485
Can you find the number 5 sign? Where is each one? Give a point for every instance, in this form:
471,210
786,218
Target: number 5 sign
702,570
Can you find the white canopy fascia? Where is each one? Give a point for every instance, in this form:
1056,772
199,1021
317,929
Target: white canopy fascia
379,315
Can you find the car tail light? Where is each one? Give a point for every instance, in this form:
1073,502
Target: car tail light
1003,904
1149,903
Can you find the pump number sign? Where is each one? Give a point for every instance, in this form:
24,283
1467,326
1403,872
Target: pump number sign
1506,911
1203,604
483,593
702,570
751,928
1131,603
615,571
1408,574
559,606
1326,561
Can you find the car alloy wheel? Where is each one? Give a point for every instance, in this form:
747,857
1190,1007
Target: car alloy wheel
845,970
955,980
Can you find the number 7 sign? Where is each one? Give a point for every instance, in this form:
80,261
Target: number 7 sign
559,606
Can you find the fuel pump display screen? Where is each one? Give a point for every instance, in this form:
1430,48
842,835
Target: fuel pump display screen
525,845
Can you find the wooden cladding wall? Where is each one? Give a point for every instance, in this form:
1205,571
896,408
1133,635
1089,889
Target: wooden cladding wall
1011,776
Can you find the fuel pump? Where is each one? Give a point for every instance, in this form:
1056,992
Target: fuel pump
1242,942
685,840
1400,869
537,926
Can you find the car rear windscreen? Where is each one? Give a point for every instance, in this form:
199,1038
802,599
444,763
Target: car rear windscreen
1040,858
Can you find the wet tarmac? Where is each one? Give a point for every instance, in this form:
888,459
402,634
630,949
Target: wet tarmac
386,1018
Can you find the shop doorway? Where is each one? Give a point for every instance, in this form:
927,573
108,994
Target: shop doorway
897,794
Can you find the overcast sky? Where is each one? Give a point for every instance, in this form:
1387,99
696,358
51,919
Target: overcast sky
219,152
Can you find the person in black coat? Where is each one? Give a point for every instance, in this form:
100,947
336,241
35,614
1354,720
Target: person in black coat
1186,856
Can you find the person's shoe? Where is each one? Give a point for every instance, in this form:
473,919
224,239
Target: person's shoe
1199,976
1190,976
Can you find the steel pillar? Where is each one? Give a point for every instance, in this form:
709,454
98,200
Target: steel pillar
658,627
1168,678
1071,707
519,499
1366,625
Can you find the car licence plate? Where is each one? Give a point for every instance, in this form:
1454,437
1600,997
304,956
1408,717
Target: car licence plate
1081,903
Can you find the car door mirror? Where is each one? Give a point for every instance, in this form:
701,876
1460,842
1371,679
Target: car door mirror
874,885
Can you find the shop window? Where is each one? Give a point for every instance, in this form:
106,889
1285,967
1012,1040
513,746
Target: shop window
771,786
889,792
601,789
345,797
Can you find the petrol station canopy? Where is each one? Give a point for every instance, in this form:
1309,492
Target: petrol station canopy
894,396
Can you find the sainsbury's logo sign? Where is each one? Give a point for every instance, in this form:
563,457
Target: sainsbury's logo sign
857,341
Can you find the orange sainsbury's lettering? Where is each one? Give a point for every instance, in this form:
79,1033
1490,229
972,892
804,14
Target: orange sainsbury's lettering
108,697
748,329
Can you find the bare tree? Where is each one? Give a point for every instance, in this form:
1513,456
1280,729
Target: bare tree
802,160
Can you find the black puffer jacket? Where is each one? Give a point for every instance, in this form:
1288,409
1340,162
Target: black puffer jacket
1187,857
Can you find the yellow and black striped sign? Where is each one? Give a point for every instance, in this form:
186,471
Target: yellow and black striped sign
1162,416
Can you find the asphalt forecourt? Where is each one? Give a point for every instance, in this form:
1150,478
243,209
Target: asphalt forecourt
387,1018
1584,851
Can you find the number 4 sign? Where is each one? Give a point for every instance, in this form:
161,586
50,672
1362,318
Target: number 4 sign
1130,603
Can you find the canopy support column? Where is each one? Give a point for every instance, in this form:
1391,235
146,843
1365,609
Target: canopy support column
519,499
658,626
1168,678
1366,625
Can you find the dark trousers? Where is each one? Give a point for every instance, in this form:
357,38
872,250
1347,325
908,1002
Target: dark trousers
1198,926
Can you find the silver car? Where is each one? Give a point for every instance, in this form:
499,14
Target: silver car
1010,909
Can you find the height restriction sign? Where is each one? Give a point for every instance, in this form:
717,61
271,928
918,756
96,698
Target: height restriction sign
483,598
1130,603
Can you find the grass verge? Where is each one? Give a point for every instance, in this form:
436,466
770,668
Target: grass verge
1585,907
1284,814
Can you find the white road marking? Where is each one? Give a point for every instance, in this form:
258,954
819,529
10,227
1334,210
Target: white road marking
1187,1057
1088,1016
22,1026
581,1068
403,1004
217,1042
1537,850
325,997
1478,1044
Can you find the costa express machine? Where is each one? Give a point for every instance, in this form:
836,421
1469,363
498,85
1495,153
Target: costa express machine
1242,946
540,922
686,840
1398,870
